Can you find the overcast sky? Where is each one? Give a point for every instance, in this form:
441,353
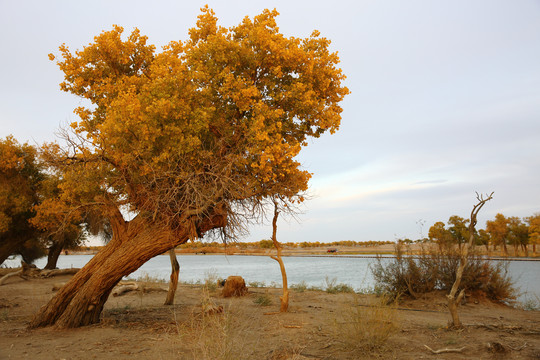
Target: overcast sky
445,101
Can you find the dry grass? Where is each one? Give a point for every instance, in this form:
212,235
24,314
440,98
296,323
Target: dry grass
211,335
364,326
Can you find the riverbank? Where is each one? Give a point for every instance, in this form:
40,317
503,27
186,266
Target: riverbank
386,249
138,326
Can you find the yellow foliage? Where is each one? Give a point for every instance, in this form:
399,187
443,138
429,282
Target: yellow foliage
219,117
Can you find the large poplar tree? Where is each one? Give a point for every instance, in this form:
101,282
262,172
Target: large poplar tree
195,138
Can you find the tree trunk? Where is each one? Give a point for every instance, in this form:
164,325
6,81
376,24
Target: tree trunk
81,300
284,299
173,283
505,249
453,301
52,257
525,249
7,249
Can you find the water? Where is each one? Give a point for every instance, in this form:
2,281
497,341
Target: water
314,271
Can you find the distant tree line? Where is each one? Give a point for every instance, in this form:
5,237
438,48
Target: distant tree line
502,232
268,244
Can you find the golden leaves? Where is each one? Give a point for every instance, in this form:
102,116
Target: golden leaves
239,102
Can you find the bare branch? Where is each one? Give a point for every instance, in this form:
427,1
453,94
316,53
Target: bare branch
446,350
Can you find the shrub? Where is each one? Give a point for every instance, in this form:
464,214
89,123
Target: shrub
333,288
436,269
211,279
263,300
256,284
300,287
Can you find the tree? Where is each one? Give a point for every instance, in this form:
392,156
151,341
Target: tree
483,239
498,231
518,234
458,229
454,301
20,179
439,234
195,139
534,230
61,227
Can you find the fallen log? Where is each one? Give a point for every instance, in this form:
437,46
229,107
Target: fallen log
57,272
27,271
121,289
447,350
8,275
5,271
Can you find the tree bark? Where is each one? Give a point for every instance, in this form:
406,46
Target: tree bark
81,300
173,283
52,257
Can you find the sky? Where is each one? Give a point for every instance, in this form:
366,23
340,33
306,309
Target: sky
445,101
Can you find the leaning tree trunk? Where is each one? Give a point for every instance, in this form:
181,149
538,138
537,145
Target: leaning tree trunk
52,257
173,283
7,249
81,300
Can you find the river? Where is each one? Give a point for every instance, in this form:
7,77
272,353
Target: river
312,270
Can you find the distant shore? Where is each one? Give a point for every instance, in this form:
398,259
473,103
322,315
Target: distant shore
337,251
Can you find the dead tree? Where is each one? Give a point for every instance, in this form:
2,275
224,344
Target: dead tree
454,301
173,284
284,299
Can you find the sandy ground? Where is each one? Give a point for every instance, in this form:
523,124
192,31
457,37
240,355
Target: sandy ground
319,325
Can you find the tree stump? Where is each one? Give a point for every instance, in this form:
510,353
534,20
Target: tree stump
234,286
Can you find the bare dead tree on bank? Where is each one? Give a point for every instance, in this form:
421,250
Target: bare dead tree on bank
453,301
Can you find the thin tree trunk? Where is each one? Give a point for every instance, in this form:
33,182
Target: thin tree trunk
81,300
173,283
52,257
453,301
505,248
284,299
